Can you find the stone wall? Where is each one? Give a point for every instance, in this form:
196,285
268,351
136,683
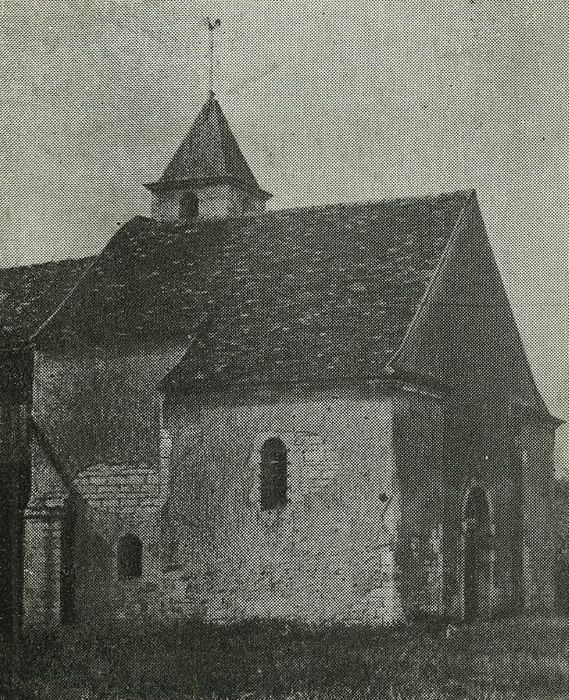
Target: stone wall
535,446
101,405
512,463
42,562
418,437
561,538
15,481
100,412
327,555
214,201
477,457
373,529
443,451
109,503
121,501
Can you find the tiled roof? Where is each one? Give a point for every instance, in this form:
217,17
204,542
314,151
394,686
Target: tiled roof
313,293
29,294
208,152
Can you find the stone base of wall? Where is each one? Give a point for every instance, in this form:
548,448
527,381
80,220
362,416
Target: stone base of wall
336,582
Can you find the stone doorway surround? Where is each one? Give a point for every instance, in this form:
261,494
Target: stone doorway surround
476,554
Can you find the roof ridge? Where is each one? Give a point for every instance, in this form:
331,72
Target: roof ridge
427,294
213,102
320,207
386,200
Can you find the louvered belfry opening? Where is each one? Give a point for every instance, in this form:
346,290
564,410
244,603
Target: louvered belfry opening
273,474
189,207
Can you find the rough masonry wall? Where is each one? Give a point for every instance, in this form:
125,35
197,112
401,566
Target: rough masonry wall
42,562
328,555
418,438
108,503
561,540
536,447
101,406
118,502
15,469
443,450
478,454
513,463
101,414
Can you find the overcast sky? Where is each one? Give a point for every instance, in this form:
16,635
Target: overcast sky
330,100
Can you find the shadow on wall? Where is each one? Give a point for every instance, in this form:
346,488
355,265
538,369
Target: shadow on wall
562,585
88,563
418,441
6,592
105,573
561,524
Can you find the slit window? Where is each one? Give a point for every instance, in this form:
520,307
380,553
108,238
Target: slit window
273,474
129,557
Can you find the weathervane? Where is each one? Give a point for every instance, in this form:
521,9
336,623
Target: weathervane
212,25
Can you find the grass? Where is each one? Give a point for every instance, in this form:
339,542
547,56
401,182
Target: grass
492,661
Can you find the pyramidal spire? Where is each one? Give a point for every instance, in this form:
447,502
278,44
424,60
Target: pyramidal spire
208,175
209,150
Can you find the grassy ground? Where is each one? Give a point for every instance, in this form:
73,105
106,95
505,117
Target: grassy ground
493,661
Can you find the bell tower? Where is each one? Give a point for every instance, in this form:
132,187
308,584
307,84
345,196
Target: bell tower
208,175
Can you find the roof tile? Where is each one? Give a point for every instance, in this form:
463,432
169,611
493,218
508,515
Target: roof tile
312,293
29,294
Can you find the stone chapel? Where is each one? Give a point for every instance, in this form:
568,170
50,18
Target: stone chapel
322,413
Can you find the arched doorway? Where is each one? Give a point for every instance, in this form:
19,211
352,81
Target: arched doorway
477,555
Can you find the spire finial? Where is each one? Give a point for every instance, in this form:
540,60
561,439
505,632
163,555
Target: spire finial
212,25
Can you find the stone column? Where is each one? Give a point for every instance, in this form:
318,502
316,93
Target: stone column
42,566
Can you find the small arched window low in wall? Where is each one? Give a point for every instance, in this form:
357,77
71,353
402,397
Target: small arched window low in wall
189,207
273,474
129,562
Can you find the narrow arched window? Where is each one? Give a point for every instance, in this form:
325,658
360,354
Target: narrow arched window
477,510
188,206
130,557
273,474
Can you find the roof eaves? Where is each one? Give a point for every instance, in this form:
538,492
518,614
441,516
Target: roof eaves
241,183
